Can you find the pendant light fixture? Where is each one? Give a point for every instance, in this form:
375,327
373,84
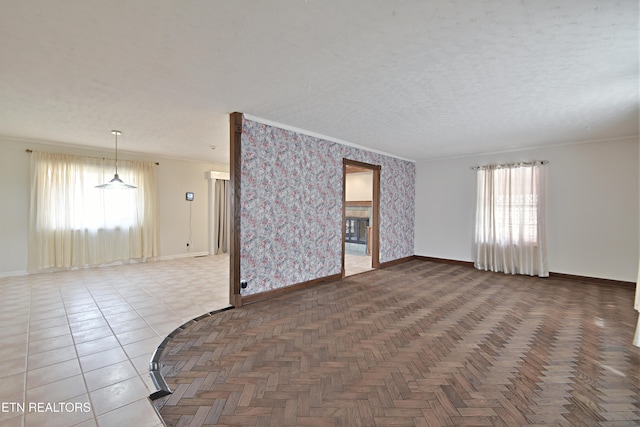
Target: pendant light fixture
116,182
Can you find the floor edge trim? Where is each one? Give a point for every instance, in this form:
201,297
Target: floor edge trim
155,366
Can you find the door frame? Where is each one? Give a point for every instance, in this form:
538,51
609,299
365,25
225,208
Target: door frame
375,207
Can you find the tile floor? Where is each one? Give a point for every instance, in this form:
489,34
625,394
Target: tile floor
354,264
85,337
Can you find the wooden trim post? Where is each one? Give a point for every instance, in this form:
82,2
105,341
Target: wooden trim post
235,128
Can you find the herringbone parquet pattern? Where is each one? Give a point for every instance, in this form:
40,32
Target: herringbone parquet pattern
418,344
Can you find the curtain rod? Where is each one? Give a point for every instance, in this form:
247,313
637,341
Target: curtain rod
506,165
29,150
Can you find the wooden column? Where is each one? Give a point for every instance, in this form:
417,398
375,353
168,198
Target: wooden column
235,128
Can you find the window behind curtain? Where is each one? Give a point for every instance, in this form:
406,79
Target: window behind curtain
510,226
74,224
515,205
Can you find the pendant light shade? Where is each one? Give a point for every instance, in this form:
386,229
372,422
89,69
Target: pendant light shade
116,182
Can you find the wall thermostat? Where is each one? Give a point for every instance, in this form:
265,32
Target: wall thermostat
189,197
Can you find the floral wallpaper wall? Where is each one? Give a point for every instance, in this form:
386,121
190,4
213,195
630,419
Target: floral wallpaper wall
291,206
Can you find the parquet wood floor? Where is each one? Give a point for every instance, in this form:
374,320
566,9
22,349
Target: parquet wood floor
417,344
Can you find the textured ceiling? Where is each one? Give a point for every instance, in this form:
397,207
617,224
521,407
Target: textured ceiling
416,79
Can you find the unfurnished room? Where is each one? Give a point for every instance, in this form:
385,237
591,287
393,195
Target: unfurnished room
319,213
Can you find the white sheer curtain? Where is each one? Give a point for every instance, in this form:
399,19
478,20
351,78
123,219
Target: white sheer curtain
221,217
74,224
510,219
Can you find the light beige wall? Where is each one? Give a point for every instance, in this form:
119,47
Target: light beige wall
359,187
14,212
175,178
592,207
181,221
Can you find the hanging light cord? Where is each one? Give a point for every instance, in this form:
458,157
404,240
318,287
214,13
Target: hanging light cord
116,133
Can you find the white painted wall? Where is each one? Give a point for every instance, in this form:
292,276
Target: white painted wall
14,209
183,222
175,178
592,207
359,187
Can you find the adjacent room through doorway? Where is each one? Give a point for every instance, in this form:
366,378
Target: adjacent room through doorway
360,232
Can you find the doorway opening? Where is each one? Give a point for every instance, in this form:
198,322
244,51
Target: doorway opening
219,236
360,213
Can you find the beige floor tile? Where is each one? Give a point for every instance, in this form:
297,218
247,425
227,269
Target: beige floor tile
145,303
70,413
52,332
115,309
12,300
123,317
35,325
45,305
84,316
14,326
52,373
12,351
15,339
91,423
92,334
148,382
164,317
84,307
13,366
95,346
141,363
54,320
84,325
117,395
75,295
129,325
110,375
354,264
50,343
141,334
75,298
143,347
46,293
110,302
138,296
102,359
59,391
47,314
11,419
164,328
13,408
46,358
139,414
153,310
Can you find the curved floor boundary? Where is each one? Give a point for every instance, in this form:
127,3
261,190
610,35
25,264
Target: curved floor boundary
300,358
155,367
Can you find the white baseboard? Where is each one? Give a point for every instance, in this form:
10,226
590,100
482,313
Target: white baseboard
162,258
13,273
187,255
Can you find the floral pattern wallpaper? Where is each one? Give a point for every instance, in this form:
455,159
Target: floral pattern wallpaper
291,206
